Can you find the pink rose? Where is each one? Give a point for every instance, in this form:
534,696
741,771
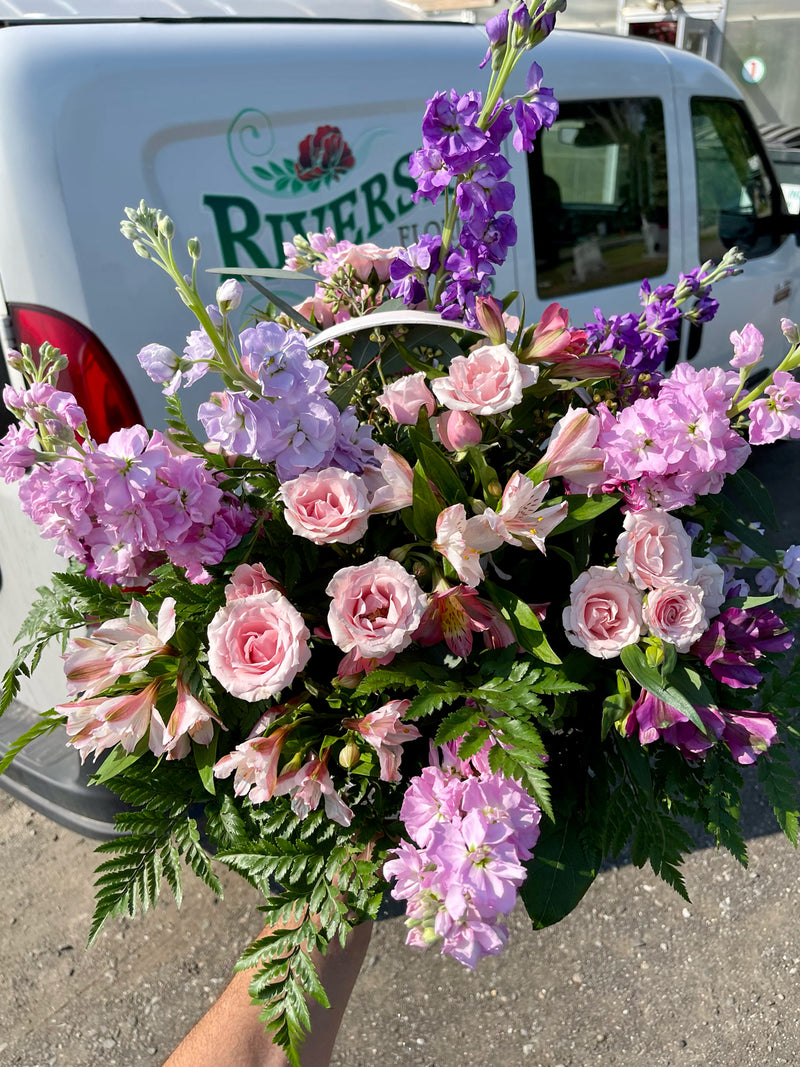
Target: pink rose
458,429
406,396
247,580
314,307
367,257
327,507
675,613
708,574
604,614
375,608
654,549
257,645
489,380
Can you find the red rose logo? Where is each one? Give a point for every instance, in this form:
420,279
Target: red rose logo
323,155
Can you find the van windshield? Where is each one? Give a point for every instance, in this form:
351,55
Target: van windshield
598,182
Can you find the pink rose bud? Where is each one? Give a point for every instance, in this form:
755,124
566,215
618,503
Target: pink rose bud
748,346
405,398
458,430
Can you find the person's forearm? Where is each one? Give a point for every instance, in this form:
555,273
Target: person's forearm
231,1034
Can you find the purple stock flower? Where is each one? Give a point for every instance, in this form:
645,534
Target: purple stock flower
17,452
409,272
450,124
538,109
777,415
485,194
488,239
432,175
161,365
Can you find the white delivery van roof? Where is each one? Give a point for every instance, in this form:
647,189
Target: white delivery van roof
106,10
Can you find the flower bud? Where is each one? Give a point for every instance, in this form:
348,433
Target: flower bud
128,230
15,359
193,247
458,429
349,755
490,316
791,331
494,488
166,227
141,249
229,295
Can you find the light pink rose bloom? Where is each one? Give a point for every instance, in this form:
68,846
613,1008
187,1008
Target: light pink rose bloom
654,549
315,309
375,608
257,645
249,579
387,733
367,257
571,453
405,397
675,613
458,430
708,574
461,541
390,488
487,381
327,507
521,520
748,346
604,614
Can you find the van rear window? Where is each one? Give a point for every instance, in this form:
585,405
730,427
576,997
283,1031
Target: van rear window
598,182
736,197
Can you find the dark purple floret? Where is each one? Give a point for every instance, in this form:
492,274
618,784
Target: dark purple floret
450,126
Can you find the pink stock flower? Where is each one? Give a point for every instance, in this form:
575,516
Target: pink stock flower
405,397
248,579
461,541
748,346
310,784
257,645
384,730
777,415
458,429
327,507
488,381
604,613
255,763
572,453
521,520
675,613
654,549
375,608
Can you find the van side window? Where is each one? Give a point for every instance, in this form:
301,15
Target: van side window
736,196
598,182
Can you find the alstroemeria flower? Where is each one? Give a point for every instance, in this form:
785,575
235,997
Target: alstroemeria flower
387,734
461,541
521,520
310,784
255,763
453,615
191,719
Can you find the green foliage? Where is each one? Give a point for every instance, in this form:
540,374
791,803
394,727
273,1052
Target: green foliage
720,801
319,883
45,724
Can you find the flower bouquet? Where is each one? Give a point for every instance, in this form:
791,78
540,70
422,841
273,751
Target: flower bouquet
427,600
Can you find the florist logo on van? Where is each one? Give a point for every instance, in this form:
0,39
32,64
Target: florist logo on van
323,156
252,229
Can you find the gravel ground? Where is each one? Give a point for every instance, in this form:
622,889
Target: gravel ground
633,976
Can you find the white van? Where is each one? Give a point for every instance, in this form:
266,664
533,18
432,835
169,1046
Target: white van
248,129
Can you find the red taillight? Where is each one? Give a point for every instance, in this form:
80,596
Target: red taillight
92,377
